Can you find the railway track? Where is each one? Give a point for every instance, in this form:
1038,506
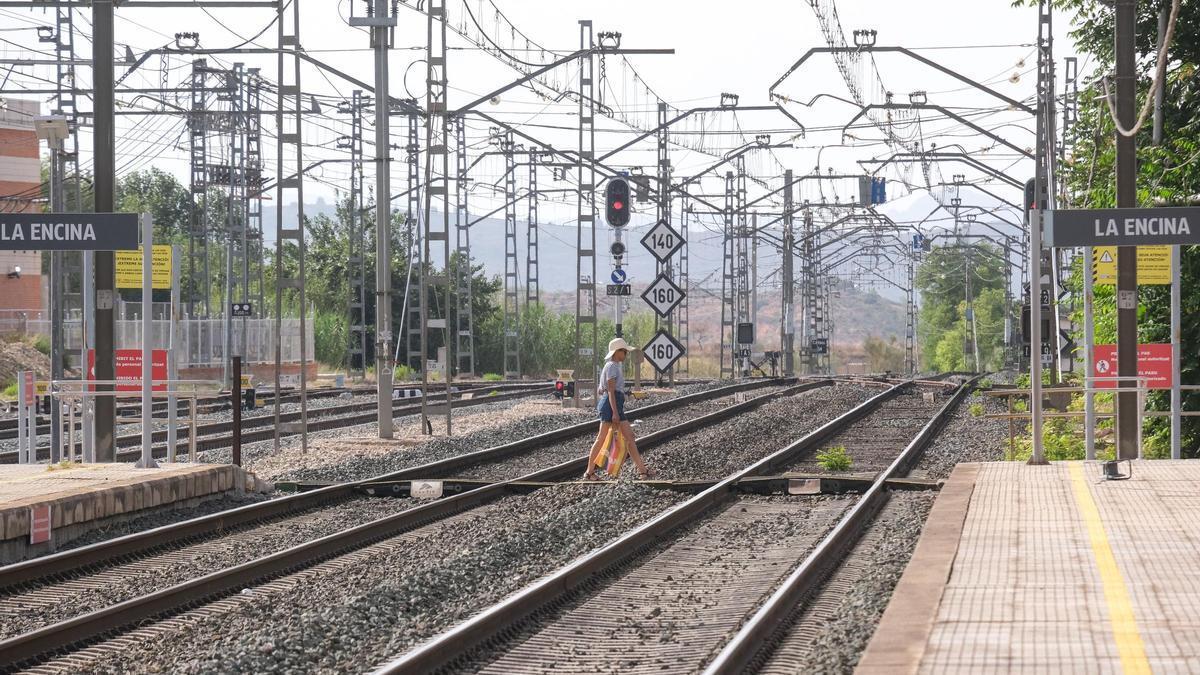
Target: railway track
105,579
219,404
670,595
215,435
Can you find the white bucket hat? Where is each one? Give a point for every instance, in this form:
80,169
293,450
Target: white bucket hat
615,345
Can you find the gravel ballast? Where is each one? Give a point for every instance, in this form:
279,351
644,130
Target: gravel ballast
673,608
966,438
43,605
354,612
832,630
720,450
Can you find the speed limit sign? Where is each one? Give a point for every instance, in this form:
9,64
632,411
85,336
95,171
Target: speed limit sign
662,351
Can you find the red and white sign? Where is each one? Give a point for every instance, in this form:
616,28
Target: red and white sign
39,523
29,388
1154,363
129,368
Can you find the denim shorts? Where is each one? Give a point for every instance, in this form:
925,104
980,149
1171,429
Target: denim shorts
605,408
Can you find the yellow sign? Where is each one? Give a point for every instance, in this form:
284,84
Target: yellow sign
129,267
1153,265
41,387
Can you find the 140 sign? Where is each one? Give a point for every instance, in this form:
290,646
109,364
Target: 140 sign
662,241
662,351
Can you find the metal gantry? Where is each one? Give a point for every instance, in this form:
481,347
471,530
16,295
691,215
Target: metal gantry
512,282
532,285
464,310
586,338
289,187
435,246
681,312
413,300
198,172
728,285
356,267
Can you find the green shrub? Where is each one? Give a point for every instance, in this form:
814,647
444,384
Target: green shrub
403,373
42,344
834,459
10,390
976,409
492,377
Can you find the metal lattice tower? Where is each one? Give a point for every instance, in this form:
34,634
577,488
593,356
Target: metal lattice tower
813,324
586,337
465,313
198,172
728,286
435,245
681,312
910,324
413,300
289,186
254,187
512,305
663,211
64,100
742,259
787,341
532,287
237,263
357,263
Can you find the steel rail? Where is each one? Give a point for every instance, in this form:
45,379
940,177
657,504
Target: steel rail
22,650
67,562
757,633
321,419
450,645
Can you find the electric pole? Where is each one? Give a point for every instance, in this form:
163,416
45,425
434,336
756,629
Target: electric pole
1126,81
104,189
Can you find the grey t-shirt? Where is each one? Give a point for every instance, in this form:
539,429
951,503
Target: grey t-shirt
612,371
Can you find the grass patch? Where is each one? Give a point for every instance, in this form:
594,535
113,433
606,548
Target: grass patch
834,459
492,377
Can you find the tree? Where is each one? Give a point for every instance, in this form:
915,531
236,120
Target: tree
1167,174
945,329
883,355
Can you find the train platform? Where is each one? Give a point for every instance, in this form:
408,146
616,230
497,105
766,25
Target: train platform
44,506
1041,569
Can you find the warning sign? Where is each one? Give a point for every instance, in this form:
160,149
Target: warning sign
1154,363
1153,265
129,368
129,267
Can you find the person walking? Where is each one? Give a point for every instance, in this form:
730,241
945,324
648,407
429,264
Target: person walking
610,405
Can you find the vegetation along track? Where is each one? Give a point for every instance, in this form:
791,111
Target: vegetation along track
214,435
668,595
110,579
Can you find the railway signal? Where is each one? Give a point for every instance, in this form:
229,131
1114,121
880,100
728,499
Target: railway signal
616,202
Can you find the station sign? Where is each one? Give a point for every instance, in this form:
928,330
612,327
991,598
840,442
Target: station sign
662,241
240,309
128,368
663,295
69,231
1167,225
818,345
1154,364
129,267
662,351
1153,265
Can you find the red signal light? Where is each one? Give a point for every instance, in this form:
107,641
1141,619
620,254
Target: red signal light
618,205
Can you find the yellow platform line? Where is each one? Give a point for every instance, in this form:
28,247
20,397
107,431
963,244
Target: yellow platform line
1116,594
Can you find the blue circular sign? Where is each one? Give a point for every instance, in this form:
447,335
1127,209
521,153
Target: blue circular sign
618,276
